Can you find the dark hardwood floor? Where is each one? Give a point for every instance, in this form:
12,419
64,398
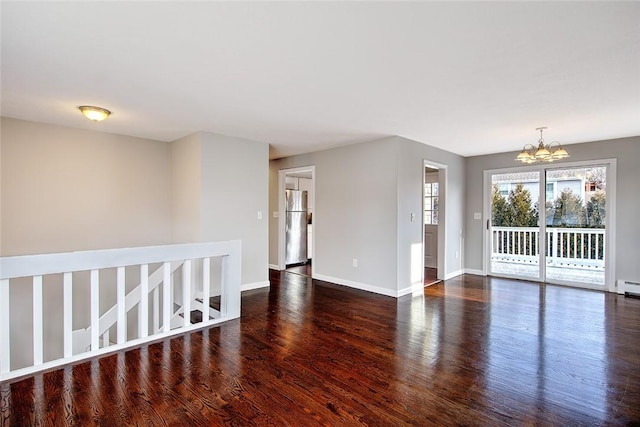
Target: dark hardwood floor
303,269
430,276
470,351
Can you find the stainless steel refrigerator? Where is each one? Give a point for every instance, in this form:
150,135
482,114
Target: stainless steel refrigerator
296,227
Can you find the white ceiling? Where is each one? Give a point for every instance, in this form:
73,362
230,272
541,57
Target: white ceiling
472,78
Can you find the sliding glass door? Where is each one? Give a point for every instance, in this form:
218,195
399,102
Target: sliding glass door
565,242
576,210
514,225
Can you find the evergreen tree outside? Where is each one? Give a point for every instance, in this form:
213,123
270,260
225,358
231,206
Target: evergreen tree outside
499,208
568,211
520,212
596,210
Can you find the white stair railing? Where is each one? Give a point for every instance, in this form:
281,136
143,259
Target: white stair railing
86,342
81,337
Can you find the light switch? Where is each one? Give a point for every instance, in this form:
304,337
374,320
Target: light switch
413,217
259,215
477,215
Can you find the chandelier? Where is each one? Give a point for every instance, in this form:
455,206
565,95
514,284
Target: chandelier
542,153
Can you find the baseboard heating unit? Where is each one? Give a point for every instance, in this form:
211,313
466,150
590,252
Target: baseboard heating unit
629,288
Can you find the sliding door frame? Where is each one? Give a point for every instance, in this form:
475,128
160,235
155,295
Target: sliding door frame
610,256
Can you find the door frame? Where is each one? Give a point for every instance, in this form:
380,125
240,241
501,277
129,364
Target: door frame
611,166
442,217
282,174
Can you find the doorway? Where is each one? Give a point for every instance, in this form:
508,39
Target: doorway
430,216
296,217
433,220
552,224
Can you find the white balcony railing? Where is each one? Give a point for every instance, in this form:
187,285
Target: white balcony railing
167,284
564,247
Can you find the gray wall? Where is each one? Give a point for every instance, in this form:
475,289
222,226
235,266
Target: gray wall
410,192
186,189
355,212
219,184
235,187
365,194
627,153
67,189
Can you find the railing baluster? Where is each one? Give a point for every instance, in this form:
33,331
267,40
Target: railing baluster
206,288
143,306
95,310
186,292
121,334
37,321
231,288
166,297
67,308
5,330
156,310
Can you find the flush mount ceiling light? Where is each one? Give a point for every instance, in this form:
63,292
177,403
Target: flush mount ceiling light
542,153
95,114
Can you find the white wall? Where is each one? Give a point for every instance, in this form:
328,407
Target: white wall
66,189
627,153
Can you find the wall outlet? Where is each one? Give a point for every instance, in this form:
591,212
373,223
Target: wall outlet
354,262
413,217
259,215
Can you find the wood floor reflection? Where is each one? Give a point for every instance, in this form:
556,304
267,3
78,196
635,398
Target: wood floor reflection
470,351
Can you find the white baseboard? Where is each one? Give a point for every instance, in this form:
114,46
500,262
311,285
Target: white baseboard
357,285
405,291
274,267
474,271
454,274
255,285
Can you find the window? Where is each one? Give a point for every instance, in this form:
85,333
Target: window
551,190
431,203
